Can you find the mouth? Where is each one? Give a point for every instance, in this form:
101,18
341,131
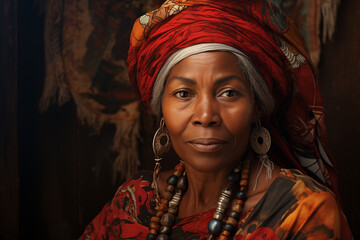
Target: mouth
207,144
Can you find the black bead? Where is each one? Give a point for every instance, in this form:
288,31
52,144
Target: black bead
228,227
151,236
172,180
182,183
240,196
214,226
167,219
234,177
162,237
235,215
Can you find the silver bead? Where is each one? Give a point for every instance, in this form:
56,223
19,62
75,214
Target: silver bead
175,201
223,203
218,216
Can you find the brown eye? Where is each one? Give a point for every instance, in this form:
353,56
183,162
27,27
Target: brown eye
229,93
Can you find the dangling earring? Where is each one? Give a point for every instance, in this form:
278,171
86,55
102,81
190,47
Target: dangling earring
260,142
161,145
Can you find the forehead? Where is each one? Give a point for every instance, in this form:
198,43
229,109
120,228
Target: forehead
208,65
216,60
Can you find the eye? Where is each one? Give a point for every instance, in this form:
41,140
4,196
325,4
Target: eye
182,94
229,93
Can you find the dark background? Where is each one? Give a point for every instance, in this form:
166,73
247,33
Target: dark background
55,177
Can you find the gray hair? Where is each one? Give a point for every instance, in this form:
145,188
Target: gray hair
259,88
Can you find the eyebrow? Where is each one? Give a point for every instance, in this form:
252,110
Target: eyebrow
217,82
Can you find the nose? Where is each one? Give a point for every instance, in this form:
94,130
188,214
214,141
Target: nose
206,112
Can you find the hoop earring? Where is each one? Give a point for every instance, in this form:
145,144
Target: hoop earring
161,144
260,142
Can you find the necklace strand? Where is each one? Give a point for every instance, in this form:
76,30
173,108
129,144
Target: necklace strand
167,208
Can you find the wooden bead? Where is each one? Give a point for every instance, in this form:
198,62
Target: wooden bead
155,225
153,231
163,207
180,166
245,176
155,219
223,237
178,173
159,214
170,188
239,202
243,182
167,195
237,208
164,201
225,233
231,221
243,188
245,171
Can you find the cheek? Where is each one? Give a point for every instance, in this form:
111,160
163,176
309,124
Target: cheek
175,119
239,122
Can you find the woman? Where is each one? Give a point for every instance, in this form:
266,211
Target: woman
238,101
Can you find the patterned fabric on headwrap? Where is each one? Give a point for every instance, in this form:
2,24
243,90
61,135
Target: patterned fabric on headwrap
261,31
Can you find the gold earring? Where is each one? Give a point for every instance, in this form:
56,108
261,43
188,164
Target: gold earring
161,144
161,141
260,142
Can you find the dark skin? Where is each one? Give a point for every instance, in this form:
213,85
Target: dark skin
209,111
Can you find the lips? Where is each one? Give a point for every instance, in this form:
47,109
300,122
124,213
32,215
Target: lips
207,144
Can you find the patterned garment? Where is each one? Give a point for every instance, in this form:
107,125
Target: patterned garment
294,207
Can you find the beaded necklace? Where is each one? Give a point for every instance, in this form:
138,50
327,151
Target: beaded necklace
167,209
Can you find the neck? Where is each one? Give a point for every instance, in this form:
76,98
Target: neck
203,191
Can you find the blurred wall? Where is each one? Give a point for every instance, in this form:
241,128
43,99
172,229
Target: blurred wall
339,79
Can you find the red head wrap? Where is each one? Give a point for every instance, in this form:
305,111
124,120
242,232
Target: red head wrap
261,31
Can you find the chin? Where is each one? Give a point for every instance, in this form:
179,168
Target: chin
209,163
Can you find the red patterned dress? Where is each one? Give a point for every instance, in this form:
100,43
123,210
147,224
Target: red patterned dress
294,207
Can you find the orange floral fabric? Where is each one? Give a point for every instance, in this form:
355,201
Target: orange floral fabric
294,207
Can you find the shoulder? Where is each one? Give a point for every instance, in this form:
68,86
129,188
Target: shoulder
141,179
135,192
292,187
300,186
128,213
307,197
298,207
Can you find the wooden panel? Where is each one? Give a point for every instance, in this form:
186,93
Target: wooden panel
9,197
340,85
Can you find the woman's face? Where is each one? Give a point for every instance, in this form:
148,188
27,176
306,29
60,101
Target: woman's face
208,109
